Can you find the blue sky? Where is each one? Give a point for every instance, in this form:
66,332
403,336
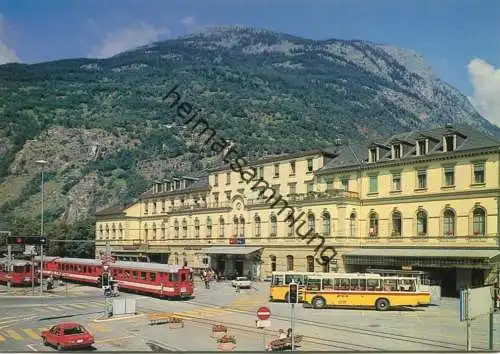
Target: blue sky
450,34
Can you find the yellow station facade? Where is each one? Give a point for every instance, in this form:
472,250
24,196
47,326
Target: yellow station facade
420,200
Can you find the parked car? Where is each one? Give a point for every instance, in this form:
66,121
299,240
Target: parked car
242,282
68,335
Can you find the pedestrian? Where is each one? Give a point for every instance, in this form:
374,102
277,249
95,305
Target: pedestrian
289,333
282,334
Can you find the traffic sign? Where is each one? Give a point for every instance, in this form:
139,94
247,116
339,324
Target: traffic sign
27,240
263,323
263,313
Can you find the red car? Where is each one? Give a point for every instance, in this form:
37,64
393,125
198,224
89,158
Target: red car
68,335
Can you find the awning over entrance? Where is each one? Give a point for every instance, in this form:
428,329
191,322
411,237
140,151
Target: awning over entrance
460,258
231,250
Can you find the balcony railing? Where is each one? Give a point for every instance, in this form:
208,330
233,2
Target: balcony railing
198,206
311,196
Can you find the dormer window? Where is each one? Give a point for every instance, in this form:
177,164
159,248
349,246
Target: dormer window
449,143
396,151
422,147
373,155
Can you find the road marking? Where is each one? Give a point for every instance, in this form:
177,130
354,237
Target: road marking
2,338
13,334
31,347
41,309
65,307
41,329
51,308
112,339
31,333
78,306
99,327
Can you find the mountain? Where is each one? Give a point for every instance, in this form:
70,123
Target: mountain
106,132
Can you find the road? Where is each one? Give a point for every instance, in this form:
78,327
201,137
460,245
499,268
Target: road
432,328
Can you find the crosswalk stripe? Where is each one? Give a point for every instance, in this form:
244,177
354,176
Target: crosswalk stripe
31,333
78,306
98,327
51,308
41,309
41,329
65,307
13,334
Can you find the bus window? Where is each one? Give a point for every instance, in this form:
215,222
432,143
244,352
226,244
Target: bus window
358,284
314,284
143,275
406,285
373,285
152,276
341,284
173,277
390,284
277,280
328,284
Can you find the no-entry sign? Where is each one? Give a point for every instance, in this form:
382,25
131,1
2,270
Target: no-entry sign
263,313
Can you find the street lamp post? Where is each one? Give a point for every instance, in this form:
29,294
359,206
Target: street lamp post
42,163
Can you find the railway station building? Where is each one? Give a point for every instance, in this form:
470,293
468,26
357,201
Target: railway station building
422,201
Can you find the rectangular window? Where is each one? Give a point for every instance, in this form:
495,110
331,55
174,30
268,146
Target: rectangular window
345,183
276,188
260,173
449,176
216,180
373,155
276,170
293,188
396,182
449,142
228,178
422,147
310,187
397,151
292,168
479,172
309,165
373,188
421,179
228,195
329,184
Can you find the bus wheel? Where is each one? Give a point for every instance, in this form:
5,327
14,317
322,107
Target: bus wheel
319,303
382,304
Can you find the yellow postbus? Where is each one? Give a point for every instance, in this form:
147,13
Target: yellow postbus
278,290
364,290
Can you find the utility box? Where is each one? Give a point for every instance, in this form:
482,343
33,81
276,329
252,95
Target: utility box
123,306
130,306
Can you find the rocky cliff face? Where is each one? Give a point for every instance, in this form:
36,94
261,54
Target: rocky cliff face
106,132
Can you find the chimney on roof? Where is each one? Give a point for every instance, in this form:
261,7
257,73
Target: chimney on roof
338,142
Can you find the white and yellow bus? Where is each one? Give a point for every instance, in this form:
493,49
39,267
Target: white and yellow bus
364,290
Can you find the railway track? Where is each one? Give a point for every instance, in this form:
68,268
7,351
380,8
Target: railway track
354,331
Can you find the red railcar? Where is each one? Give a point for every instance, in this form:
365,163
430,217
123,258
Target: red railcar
20,273
164,280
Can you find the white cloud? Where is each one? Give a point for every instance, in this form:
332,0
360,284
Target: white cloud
486,82
188,21
7,55
191,25
128,38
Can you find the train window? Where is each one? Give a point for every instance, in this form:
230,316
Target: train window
161,275
190,276
134,274
173,277
183,276
152,276
143,275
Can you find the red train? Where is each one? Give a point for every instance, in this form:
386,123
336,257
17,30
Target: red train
20,273
164,280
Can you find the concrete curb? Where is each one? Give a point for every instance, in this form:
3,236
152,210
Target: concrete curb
117,318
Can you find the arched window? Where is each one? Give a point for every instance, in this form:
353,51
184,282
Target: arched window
326,224
176,229
235,226
289,263
257,226
310,264
421,223
397,225
221,227
163,232
272,260
209,227
289,223
196,228
107,231
120,231
274,225
113,231
242,226
146,231
373,231
479,222
184,228
154,231
353,230
449,223
311,222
